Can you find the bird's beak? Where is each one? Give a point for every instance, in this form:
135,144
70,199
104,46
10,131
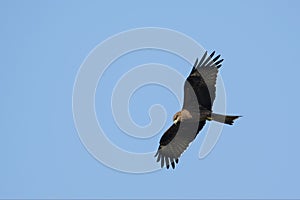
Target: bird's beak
176,120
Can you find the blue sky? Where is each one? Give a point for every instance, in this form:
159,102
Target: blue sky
43,44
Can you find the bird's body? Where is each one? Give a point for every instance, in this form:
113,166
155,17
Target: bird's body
199,94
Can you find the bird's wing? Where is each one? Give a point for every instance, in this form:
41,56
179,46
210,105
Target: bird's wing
201,83
175,141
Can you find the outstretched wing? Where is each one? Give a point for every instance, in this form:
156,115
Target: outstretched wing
200,86
176,140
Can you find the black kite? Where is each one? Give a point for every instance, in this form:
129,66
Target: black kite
199,95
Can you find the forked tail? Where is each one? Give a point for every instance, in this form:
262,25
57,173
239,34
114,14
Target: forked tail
226,119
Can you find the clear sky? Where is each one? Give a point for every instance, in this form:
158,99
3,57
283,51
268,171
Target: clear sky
44,43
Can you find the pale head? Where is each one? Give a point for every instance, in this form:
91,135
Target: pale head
181,116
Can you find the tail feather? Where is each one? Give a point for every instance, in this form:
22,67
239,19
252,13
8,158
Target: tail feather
226,119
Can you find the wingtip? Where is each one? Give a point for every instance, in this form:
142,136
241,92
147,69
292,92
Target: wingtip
202,59
173,165
218,64
205,54
158,158
196,63
162,162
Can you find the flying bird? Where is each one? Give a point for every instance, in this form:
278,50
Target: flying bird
199,95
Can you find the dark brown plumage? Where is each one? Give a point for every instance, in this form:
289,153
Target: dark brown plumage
199,95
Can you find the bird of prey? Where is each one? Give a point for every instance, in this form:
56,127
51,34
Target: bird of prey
199,95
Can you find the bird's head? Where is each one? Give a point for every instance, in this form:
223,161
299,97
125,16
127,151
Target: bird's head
177,117
181,116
